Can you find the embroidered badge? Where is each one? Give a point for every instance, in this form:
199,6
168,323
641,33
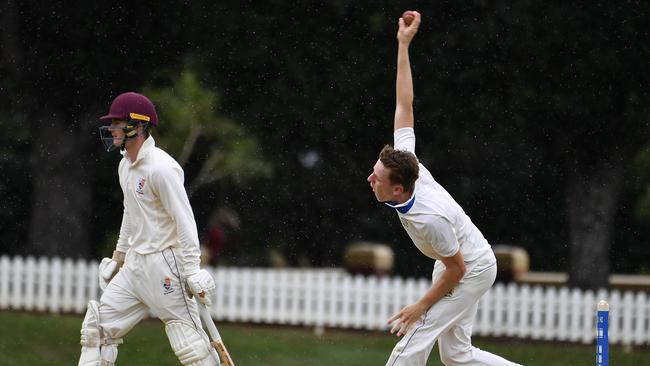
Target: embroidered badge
140,187
167,286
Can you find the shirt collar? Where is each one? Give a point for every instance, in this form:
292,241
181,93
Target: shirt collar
146,147
402,207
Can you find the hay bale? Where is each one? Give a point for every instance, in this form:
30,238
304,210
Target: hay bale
512,262
369,258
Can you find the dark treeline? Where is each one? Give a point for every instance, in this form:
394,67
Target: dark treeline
533,115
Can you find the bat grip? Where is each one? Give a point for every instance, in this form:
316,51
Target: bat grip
208,322
223,355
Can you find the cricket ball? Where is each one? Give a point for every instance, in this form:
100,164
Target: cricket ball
408,17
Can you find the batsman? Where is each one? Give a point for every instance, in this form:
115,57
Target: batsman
155,265
465,266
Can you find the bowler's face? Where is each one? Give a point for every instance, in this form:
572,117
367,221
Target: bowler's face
380,183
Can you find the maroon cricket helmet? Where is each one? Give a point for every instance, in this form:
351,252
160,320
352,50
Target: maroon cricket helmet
132,106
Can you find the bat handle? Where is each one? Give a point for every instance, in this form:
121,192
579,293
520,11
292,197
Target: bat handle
204,313
223,355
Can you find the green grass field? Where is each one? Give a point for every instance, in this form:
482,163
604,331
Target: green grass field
44,339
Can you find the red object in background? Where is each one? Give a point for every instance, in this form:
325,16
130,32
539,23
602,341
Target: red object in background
216,242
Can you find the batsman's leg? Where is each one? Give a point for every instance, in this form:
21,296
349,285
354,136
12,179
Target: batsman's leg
107,321
174,307
97,349
190,345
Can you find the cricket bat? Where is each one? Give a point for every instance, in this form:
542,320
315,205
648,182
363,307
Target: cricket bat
223,355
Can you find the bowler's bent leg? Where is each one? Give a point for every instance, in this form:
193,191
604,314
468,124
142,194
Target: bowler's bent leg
415,346
456,350
455,344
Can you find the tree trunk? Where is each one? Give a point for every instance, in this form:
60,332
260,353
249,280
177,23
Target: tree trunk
592,194
62,196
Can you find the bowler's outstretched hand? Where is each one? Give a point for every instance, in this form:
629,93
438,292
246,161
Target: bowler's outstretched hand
405,318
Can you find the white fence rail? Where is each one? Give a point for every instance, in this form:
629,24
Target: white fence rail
333,298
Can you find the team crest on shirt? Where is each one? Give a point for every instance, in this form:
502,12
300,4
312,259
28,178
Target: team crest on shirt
167,286
140,187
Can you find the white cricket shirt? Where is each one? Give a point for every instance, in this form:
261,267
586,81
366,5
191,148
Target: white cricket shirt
437,224
157,212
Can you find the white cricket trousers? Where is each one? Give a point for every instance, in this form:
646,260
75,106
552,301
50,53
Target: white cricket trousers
146,283
449,321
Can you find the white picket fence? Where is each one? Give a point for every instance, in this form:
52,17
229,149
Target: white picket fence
333,298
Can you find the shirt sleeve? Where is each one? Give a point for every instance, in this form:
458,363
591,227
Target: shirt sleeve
404,139
125,229
168,182
441,235
125,232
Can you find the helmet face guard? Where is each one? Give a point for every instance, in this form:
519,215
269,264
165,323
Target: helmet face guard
130,132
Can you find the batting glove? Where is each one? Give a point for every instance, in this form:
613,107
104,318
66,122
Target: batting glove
202,285
109,267
107,270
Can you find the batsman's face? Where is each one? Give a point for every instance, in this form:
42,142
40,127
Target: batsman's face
117,131
380,183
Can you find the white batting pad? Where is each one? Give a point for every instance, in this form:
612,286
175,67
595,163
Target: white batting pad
96,351
190,345
90,326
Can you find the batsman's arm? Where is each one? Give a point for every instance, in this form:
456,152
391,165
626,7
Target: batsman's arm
404,80
126,230
108,267
168,184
